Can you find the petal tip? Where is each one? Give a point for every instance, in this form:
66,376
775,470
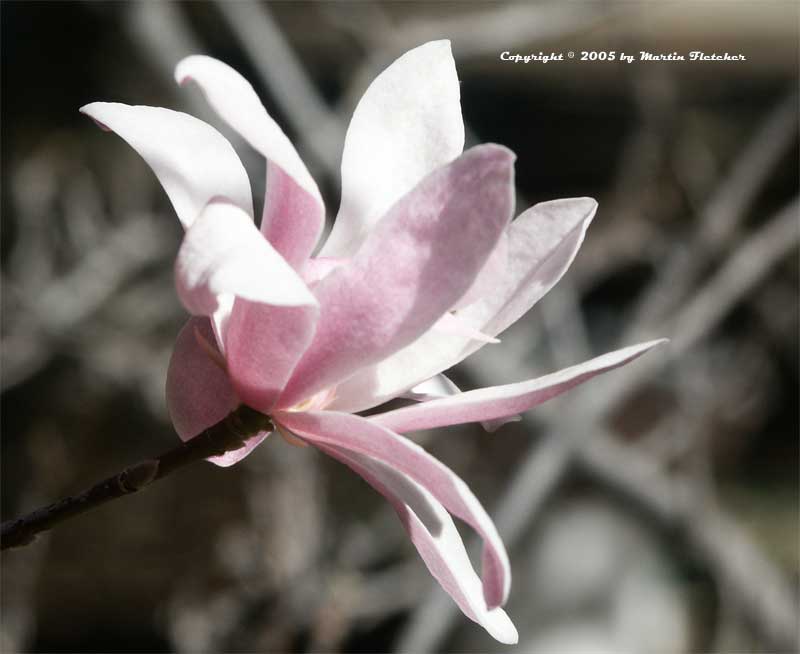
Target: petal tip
183,69
497,151
91,110
500,627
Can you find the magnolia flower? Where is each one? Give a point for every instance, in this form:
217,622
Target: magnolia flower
423,267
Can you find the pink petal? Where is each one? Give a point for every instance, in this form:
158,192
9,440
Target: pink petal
223,254
272,319
542,243
199,394
319,267
433,533
501,401
417,262
491,275
441,386
294,213
360,435
191,159
293,218
407,124
263,344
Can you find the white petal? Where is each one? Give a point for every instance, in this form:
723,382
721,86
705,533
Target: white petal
407,124
294,213
224,254
192,160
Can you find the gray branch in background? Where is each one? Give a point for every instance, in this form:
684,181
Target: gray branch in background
720,218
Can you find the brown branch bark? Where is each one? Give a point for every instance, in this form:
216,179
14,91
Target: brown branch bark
228,434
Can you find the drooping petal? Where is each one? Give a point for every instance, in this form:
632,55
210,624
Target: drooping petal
542,244
223,254
294,213
407,124
192,160
199,393
417,262
360,435
442,386
433,533
501,401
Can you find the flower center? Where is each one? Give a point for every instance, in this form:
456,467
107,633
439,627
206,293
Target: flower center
315,402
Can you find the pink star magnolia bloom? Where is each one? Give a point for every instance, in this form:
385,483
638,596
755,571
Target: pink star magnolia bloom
423,266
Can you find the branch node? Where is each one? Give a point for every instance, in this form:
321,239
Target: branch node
138,476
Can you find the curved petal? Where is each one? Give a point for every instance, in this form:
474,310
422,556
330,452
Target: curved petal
360,435
501,401
407,124
441,386
414,266
223,254
199,394
320,267
294,213
192,160
542,244
490,276
433,533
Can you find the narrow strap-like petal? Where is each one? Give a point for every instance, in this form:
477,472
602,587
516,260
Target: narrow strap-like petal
199,393
542,243
223,254
509,399
407,124
433,533
294,213
441,386
192,160
414,266
360,435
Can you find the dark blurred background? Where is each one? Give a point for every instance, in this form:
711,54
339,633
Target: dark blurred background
654,510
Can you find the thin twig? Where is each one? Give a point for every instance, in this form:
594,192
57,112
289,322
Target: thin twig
227,435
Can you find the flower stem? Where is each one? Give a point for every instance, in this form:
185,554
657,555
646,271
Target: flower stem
228,434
